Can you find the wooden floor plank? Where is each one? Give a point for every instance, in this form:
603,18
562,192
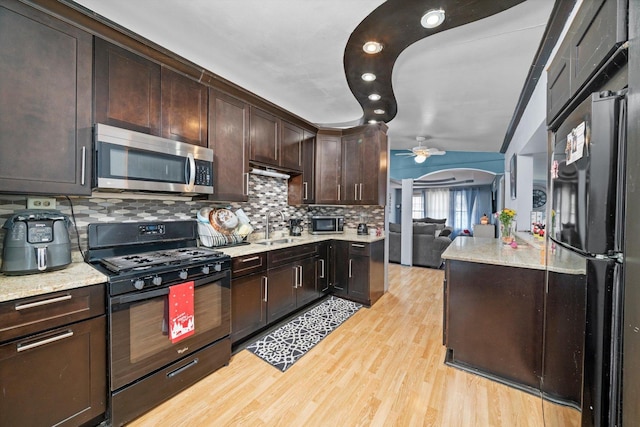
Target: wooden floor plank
383,367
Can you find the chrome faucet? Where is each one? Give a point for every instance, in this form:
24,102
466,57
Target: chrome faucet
266,231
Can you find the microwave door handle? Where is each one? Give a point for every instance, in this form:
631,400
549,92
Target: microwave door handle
190,171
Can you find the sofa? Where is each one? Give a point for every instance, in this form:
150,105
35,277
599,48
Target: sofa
430,239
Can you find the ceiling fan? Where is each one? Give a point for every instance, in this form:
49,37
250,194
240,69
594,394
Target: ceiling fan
421,153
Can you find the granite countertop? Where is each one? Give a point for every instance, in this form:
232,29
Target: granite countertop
75,275
530,253
79,273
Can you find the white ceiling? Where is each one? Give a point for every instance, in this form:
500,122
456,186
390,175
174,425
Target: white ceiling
459,88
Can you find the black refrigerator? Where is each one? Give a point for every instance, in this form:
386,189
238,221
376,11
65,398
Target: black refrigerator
587,201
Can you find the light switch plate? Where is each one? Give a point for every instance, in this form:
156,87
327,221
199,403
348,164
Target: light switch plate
41,203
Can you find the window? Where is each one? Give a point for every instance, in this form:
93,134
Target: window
417,206
437,203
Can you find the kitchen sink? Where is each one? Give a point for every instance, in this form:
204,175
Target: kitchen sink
276,241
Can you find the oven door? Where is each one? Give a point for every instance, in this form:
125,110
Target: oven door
138,328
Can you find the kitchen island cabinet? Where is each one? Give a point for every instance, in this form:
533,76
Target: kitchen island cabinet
493,318
45,113
53,366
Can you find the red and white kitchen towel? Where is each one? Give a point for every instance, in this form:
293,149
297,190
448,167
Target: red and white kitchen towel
181,311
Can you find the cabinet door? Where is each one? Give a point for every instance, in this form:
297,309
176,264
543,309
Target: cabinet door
328,169
373,178
595,39
323,267
45,110
127,89
281,292
184,108
248,305
558,82
308,167
564,332
291,138
55,378
307,290
351,168
340,266
264,137
359,278
229,139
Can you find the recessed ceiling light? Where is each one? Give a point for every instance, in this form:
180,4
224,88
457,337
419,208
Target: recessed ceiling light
374,97
432,18
373,122
368,77
378,111
372,47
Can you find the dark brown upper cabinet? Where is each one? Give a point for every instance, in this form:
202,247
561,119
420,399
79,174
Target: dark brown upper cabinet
328,167
45,113
587,54
229,139
184,108
291,139
127,89
364,165
264,138
302,186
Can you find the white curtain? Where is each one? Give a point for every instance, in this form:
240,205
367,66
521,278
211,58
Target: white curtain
437,203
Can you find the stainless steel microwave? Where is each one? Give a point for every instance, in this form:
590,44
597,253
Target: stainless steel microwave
327,224
128,160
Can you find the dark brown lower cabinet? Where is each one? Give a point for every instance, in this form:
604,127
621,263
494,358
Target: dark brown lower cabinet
494,316
248,295
358,270
281,291
58,377
564,335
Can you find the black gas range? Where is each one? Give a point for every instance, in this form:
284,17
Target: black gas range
138,256
149,265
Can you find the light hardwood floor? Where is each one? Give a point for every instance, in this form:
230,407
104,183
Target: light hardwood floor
382,367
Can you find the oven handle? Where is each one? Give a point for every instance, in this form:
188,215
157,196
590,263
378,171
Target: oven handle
139,296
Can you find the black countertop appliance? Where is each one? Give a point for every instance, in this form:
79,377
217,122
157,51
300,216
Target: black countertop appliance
36,241
295,227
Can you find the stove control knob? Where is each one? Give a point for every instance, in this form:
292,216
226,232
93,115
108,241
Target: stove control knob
156,280
217,267
138,284
183,274
205,269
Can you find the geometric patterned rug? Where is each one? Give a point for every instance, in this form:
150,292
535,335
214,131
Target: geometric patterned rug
285,345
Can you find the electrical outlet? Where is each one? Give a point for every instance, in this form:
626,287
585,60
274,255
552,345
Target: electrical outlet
41,203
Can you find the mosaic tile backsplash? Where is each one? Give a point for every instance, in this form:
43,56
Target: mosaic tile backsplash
265,194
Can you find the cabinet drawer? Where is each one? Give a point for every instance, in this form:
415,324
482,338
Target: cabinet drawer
285,256
241,266
34,314
362,249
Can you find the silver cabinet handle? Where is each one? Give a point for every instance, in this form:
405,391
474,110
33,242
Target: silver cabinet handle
300,275
338,191
246,188
253,258
305,186
55,338
350,267
43,302
357,245
83,168
265,283
321,268
355,192
360,191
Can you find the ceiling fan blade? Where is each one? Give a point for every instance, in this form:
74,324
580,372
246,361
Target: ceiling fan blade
404,154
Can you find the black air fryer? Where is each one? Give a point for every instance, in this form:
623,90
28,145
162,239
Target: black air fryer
36,241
